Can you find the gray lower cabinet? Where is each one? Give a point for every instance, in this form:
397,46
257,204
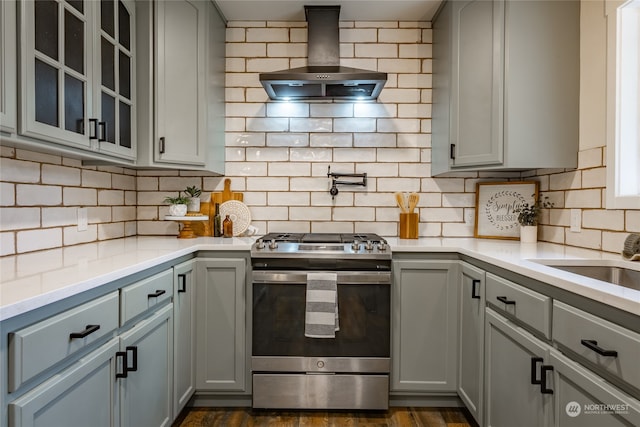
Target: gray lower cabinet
184,324
424,326
221,345
86,393
146,392
471,302
514,375
583,399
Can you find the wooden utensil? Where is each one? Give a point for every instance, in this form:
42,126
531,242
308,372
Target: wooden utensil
414,198
400,200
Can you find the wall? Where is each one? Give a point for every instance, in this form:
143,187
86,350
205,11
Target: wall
277,154
41,193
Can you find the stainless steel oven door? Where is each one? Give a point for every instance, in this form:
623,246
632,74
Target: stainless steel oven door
364,300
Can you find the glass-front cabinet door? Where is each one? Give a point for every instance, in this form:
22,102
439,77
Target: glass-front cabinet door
76,86
115,86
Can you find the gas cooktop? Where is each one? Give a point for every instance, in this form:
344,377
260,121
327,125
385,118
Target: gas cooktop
297,245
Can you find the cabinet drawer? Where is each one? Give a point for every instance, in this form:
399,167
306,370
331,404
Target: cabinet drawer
528,306
589,336
40,346
139,297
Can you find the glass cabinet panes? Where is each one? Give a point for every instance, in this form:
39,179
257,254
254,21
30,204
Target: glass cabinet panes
77,67
46,86
115,81
46,28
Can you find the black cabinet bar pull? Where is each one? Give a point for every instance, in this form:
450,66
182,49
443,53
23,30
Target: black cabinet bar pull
534,369
474,288
161,148
593,345
134,357
93,122
452,151
505,300
122,354
157,293
88,330
182,285
103,131
543,377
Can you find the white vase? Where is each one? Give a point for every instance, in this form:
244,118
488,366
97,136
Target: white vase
178,210
194,204
528,233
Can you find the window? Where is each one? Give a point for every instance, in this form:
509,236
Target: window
623,105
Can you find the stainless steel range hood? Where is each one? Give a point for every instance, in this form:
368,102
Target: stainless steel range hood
323,77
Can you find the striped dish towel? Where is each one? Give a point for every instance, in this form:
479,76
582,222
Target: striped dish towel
321,312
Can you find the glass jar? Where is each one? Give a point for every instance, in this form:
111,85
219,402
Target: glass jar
227,227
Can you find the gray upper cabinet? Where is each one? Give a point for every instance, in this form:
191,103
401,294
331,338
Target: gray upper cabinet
8,61
177,89
77,63
424,325
501,98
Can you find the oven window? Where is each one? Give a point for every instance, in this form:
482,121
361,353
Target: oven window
279,315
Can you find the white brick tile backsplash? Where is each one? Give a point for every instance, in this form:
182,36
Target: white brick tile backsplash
400,65
583,199
19,171
287,50
61,175
244,139
110,197
38,157
34,240
603,219
7,244
352,35
56,217
309,213
333,139
110,231
96,179
79,196
398,125
98,214
19,218
299,198
288,139
246,50
7,194
267,154
269,125
355,125
124,213
375,110
354,214
341,155
632,221
289,169
312,154
591,239
267,35
244,169
261,65
38,195
374,140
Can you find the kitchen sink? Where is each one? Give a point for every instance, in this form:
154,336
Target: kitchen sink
621,276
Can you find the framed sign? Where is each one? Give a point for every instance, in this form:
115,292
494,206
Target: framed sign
496,203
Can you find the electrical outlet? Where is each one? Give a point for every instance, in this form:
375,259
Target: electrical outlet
83,219
576,220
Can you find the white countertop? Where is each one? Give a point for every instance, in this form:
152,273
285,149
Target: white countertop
34,280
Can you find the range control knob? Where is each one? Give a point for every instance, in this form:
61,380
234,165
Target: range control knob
273,244
260,244
369,245
355,245
382,246
320,364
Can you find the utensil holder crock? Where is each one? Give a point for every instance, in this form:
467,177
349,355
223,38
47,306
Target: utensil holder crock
408,225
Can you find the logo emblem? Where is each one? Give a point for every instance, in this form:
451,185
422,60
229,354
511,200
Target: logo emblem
573,409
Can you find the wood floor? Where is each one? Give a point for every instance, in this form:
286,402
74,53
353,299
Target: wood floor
394,417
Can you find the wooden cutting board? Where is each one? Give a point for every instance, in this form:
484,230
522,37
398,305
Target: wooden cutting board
208,208
225,195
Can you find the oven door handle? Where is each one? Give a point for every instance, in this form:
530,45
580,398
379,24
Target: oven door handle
344,277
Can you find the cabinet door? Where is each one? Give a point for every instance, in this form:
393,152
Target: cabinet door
583,399
114,81
424,326
56,71
180,82
146,392
8,61
471,338
184,324
221,341
477,82
511,396
84,393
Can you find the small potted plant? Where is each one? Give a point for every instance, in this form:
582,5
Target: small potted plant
177,205
528,217
193,194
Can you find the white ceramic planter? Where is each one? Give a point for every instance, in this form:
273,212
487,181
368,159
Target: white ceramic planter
528,233
177,210
194,204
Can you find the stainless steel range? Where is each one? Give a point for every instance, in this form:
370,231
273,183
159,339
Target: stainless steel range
295,369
